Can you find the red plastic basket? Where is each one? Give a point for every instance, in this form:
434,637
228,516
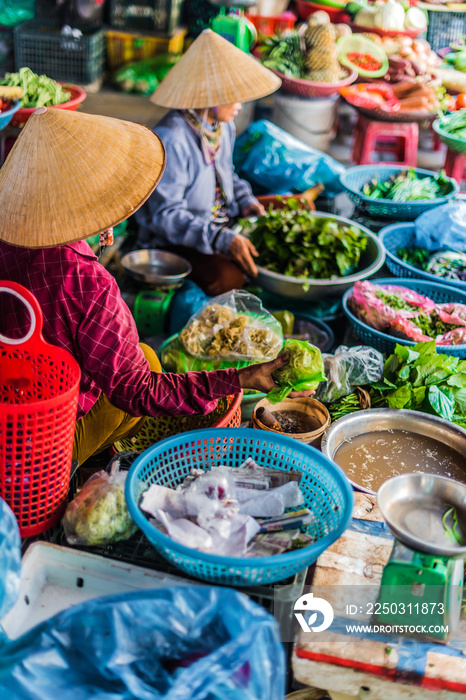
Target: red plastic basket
39,385
309,88
274,24
78,95
305,9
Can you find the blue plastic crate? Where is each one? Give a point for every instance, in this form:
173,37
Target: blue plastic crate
354,179
398,236
327,493
439,293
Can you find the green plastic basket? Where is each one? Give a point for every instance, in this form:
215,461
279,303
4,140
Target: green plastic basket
453,142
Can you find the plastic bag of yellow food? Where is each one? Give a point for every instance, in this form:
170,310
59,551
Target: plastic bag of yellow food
231,330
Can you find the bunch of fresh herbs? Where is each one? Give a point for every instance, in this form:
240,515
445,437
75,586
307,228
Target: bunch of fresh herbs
418,257
408,186
419,379
292,241
284,54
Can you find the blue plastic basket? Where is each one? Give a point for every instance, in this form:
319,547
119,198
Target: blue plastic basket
7,115
398,236
440,293
354,179
327,492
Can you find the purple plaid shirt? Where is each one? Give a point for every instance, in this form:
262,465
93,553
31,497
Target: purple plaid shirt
84,313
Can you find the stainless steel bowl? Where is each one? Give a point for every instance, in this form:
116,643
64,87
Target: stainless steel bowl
156,267
371,261
414,506
392,418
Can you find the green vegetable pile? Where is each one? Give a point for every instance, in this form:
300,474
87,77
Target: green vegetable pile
292,241
418,257
38,90
456,58
455,124
408,186
416,378
303,372
429,323
284,54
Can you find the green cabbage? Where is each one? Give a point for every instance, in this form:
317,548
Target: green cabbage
304,370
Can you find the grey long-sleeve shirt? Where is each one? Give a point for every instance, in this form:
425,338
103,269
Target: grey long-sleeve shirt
179,212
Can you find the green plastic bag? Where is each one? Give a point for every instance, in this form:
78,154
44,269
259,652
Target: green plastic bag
303,372
144,76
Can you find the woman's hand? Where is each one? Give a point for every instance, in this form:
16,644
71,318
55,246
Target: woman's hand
241,250
259,377
255,208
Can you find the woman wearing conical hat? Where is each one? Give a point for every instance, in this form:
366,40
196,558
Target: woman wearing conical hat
200,194
70,176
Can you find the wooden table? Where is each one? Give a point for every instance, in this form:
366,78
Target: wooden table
352,666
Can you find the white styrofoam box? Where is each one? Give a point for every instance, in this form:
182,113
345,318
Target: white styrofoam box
54,578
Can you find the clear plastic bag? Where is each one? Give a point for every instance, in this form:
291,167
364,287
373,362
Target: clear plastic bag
10,558
99,514
183,642
348,368
231,330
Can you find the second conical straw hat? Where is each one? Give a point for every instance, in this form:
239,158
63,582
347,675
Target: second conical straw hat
71,175
213,73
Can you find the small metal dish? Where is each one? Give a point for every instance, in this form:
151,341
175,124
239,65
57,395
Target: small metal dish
156,267
414,505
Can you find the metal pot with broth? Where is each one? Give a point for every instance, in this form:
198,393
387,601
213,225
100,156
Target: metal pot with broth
372,446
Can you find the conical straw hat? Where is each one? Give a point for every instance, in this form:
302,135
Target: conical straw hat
213,73
71,175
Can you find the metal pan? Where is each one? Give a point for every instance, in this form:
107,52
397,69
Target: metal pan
374,419
156,267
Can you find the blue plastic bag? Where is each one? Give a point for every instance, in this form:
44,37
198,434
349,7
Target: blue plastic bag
10,559
187,300
178,643
275,162
442,228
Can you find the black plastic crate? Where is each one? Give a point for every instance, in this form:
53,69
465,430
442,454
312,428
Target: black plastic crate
40,46
445,27
150,15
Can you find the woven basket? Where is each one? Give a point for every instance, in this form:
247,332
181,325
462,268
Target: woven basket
399,236
354,179
440,293
309,88
226,415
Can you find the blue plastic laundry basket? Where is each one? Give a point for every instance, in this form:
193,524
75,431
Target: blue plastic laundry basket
398,236
354,179
439,293
327,493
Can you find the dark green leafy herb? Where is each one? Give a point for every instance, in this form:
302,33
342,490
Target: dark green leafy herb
292,241
418,257
419,379
408,186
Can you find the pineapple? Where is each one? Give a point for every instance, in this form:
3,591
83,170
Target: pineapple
321,59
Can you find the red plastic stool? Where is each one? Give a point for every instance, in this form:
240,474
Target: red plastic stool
397,138
455,166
